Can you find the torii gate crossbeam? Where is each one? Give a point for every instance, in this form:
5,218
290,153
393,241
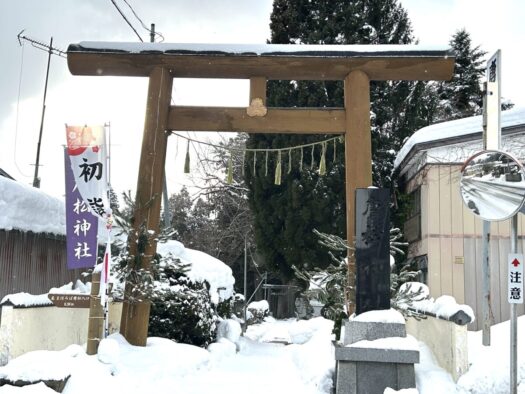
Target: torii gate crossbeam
357,65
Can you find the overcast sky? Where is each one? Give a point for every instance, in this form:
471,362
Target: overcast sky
121,101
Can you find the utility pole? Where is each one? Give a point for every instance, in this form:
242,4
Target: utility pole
51,51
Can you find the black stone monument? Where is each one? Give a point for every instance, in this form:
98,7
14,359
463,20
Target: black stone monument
372,249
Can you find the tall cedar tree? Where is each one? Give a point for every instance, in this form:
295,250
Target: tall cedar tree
286,215
462,95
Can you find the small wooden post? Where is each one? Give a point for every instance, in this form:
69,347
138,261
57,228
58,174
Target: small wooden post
358,158
258,89
96,316
135,315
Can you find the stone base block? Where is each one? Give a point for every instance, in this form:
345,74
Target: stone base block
356,331
373,377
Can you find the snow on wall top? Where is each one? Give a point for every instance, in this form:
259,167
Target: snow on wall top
456,128
27,208
264,49
203,267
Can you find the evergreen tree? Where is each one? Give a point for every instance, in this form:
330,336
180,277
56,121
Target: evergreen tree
286,215
462,95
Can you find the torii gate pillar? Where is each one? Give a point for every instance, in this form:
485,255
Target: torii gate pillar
135,315
358,156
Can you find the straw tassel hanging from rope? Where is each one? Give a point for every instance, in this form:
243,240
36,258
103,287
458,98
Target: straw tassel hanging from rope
322,162
278,169
229,177
187,160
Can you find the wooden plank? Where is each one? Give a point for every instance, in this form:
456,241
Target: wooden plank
458,273
445,230
135,316
434,267
415,68
471,285
358,152
433,200
277,120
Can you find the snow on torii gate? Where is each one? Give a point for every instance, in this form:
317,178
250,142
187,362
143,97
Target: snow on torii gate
357,65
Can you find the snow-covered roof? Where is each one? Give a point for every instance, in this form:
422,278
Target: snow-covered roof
26,208
263,49
450,132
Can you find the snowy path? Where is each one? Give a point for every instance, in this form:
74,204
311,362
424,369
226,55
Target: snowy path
259,368
305,366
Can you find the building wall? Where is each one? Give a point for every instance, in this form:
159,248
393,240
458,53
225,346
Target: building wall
451,239
32,263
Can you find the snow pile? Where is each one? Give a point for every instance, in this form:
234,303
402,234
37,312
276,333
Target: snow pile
260,306
229,329
388,390
26,300
397,343
305,367
382,316
444,307
203,268
26,208
430,377
39,388
45,365
489,371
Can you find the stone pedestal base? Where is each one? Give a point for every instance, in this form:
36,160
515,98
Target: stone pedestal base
368,367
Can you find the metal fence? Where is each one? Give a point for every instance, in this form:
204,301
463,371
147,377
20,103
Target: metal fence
281,299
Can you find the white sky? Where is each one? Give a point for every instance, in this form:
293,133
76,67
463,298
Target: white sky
121,101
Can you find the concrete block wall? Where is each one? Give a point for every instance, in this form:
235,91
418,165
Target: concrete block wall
46,328
447,340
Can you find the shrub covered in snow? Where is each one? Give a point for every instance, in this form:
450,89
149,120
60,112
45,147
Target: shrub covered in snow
257,311
183,311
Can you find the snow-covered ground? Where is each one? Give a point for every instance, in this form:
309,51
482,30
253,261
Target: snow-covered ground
253,364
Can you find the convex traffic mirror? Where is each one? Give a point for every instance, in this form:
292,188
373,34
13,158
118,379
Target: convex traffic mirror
493,185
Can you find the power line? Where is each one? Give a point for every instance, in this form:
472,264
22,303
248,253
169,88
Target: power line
127,21
152,31
17,108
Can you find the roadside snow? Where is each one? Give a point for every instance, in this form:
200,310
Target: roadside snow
248,365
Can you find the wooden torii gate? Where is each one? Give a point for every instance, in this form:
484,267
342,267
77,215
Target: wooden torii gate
356,65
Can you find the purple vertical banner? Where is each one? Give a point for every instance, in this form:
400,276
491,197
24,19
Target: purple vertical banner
81,225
